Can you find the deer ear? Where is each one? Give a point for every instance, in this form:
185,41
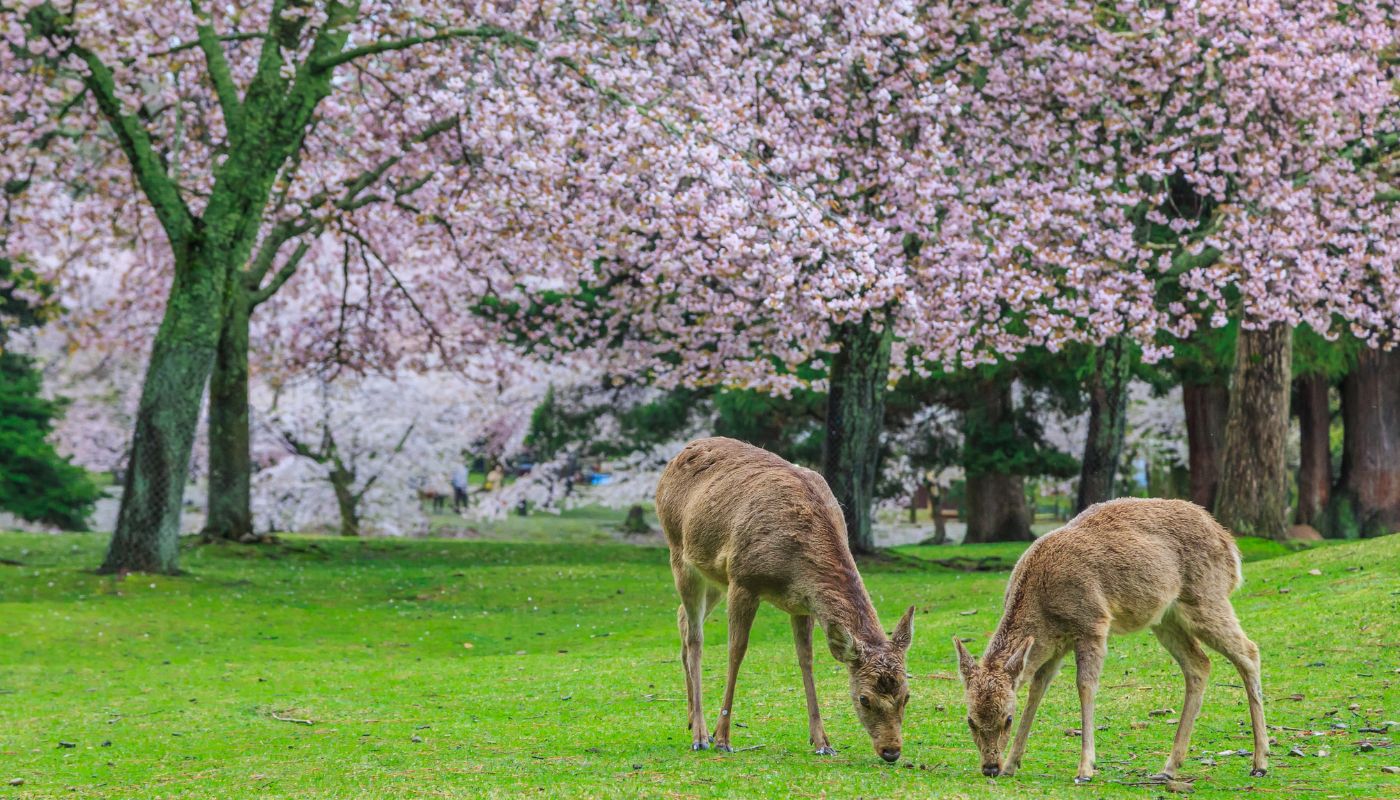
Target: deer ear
844,647
1016,663
904,631
966,663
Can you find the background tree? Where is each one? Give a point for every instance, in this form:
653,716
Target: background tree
36,483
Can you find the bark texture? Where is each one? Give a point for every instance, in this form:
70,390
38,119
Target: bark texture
855,417
1253,496
148,524
230,464
1206,405
1366,500
1108,411
1314,446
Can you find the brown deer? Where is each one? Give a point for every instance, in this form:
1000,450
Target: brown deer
742,521
1118,567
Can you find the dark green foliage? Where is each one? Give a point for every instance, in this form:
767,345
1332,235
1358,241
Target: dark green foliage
36,483
1313,354
788,426
1013,447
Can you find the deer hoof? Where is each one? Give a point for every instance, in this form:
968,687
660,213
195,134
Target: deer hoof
724,747
1080,780
700,745
825,750
1258,772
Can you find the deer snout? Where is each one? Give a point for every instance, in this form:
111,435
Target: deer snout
991,770
890,754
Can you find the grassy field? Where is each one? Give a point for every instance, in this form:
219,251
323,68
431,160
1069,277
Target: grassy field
487,668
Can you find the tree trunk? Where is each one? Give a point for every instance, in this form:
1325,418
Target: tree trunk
342,482
1366,501
940,526
148,524
636,521
855,416
1315,447
1108,412
230,515
996,501
1206,405
1253,496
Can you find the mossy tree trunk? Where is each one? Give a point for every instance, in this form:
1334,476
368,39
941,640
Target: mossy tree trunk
265,127
1253,497
855,417
1366,499
230,464
146,538
996,500
1206,406
1314,446
1108,412
346,498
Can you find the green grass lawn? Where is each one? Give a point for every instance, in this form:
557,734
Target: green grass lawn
483,668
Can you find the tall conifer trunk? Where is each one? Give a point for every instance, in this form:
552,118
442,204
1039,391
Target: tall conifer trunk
1108,412
855,417
1253,497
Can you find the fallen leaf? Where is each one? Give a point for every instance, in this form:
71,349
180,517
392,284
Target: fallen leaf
1314,572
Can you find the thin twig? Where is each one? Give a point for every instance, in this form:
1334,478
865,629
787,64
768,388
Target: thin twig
292,719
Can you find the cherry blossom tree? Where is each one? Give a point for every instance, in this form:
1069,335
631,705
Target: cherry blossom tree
221,126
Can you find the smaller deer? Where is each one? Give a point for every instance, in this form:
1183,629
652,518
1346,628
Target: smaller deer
742,521
1118,567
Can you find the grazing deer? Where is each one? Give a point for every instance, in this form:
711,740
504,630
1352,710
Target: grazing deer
1118,567
741,520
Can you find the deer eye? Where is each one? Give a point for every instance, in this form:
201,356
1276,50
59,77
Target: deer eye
1007,724
971,724
865,701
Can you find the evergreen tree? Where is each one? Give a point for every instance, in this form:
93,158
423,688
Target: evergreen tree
36,483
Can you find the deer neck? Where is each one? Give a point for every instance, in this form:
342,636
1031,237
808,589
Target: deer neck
839,603
1016,624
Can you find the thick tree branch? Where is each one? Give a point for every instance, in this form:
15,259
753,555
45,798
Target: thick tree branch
155,182
220,74
485,32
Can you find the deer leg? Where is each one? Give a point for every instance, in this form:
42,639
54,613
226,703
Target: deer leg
690,618
1195,667
1039,683
1088,657
802,638
1217,626
743,604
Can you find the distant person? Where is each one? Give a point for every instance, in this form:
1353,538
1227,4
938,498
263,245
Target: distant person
460,476
494,478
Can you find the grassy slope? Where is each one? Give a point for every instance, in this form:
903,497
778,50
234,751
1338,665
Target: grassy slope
571,686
